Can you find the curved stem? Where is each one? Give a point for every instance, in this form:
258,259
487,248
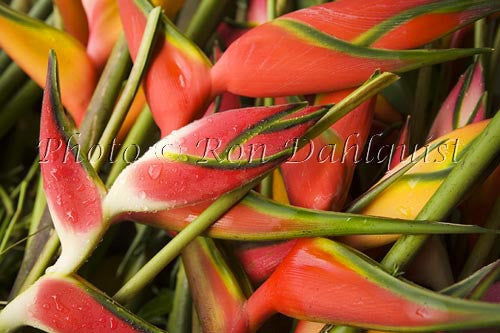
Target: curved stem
43,260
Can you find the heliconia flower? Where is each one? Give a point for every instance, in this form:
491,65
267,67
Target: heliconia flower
105,25
168,185
402,149
319,175
408,195
73,190
66,304
464,105
74,19
78,75
287,55
216,293
178,72
210,157
324,281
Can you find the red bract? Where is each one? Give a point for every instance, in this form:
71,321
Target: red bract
464,105
256,218
319,175
177,83
210,157
104,28
324,281
403,146
393,24
74,191
65,304
288,55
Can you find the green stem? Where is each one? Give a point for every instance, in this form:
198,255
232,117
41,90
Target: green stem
494,68
271,9
484,244
205,20
480,31
43,260
360,95
139,133
4,61
18,106
123,105
479,155
6,201
485,284
10,81
22,5
104,97
266,186
33,170
179,319
15,217
419,113
210,215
